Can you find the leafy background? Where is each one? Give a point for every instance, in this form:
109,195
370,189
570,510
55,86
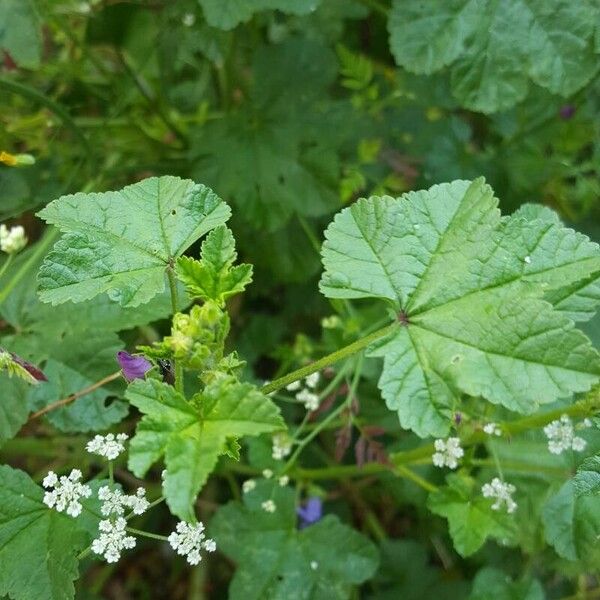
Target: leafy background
291,110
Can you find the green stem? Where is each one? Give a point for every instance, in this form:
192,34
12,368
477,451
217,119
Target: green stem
179,385
290,463
328,360
147,534
407,473
111,474
6,264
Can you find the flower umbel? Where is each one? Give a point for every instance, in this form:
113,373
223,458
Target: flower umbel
114,502
492,429
66,493
188,540
12,240
109,446
448,452
282,446
308,398
561,436
502,492
113,539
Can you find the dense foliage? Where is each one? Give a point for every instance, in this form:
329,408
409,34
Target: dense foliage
298,299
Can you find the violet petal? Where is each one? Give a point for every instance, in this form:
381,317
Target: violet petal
134,367
311,512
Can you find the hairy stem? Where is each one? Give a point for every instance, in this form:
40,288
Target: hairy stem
328,360
72,397
175,305
6,264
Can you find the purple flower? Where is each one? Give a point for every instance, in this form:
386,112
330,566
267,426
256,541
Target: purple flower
311,512
134,367
566,111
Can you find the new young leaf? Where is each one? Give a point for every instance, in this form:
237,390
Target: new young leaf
122,242
192,435
467,287
214,277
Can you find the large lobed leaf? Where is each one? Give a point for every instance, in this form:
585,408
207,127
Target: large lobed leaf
467,288
191,435
226,14
496,48
122,242
276,561
38,546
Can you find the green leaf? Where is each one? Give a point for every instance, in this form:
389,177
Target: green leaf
227,14
275,155
471,519
14,408
122,242
467,288
496,48
38,546
75,362
274,558
214,277
192,435
20,32
587,479
88,413
572,525
493,584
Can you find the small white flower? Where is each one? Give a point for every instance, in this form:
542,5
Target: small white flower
113,539
188,540
308,398
284,480
587,423
138,503
248,485
109,446
66,493
561,436
312,381
292,387
448,452
188,19
267,473
492,429
314,565
12,240
269,506
502,492
113,501
282,446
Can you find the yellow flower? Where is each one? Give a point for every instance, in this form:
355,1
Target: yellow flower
16,160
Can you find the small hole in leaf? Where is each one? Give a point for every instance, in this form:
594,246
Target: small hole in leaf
456,359
173,212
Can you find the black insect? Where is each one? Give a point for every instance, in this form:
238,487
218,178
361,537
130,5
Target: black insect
166,370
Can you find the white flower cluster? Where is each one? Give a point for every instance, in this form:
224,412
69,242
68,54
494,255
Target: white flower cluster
448,452
282,446
561,436
66,493
502,492
188,539
306,395
492,429
12,240
113,539
114,502
109,446
248,485
269,506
